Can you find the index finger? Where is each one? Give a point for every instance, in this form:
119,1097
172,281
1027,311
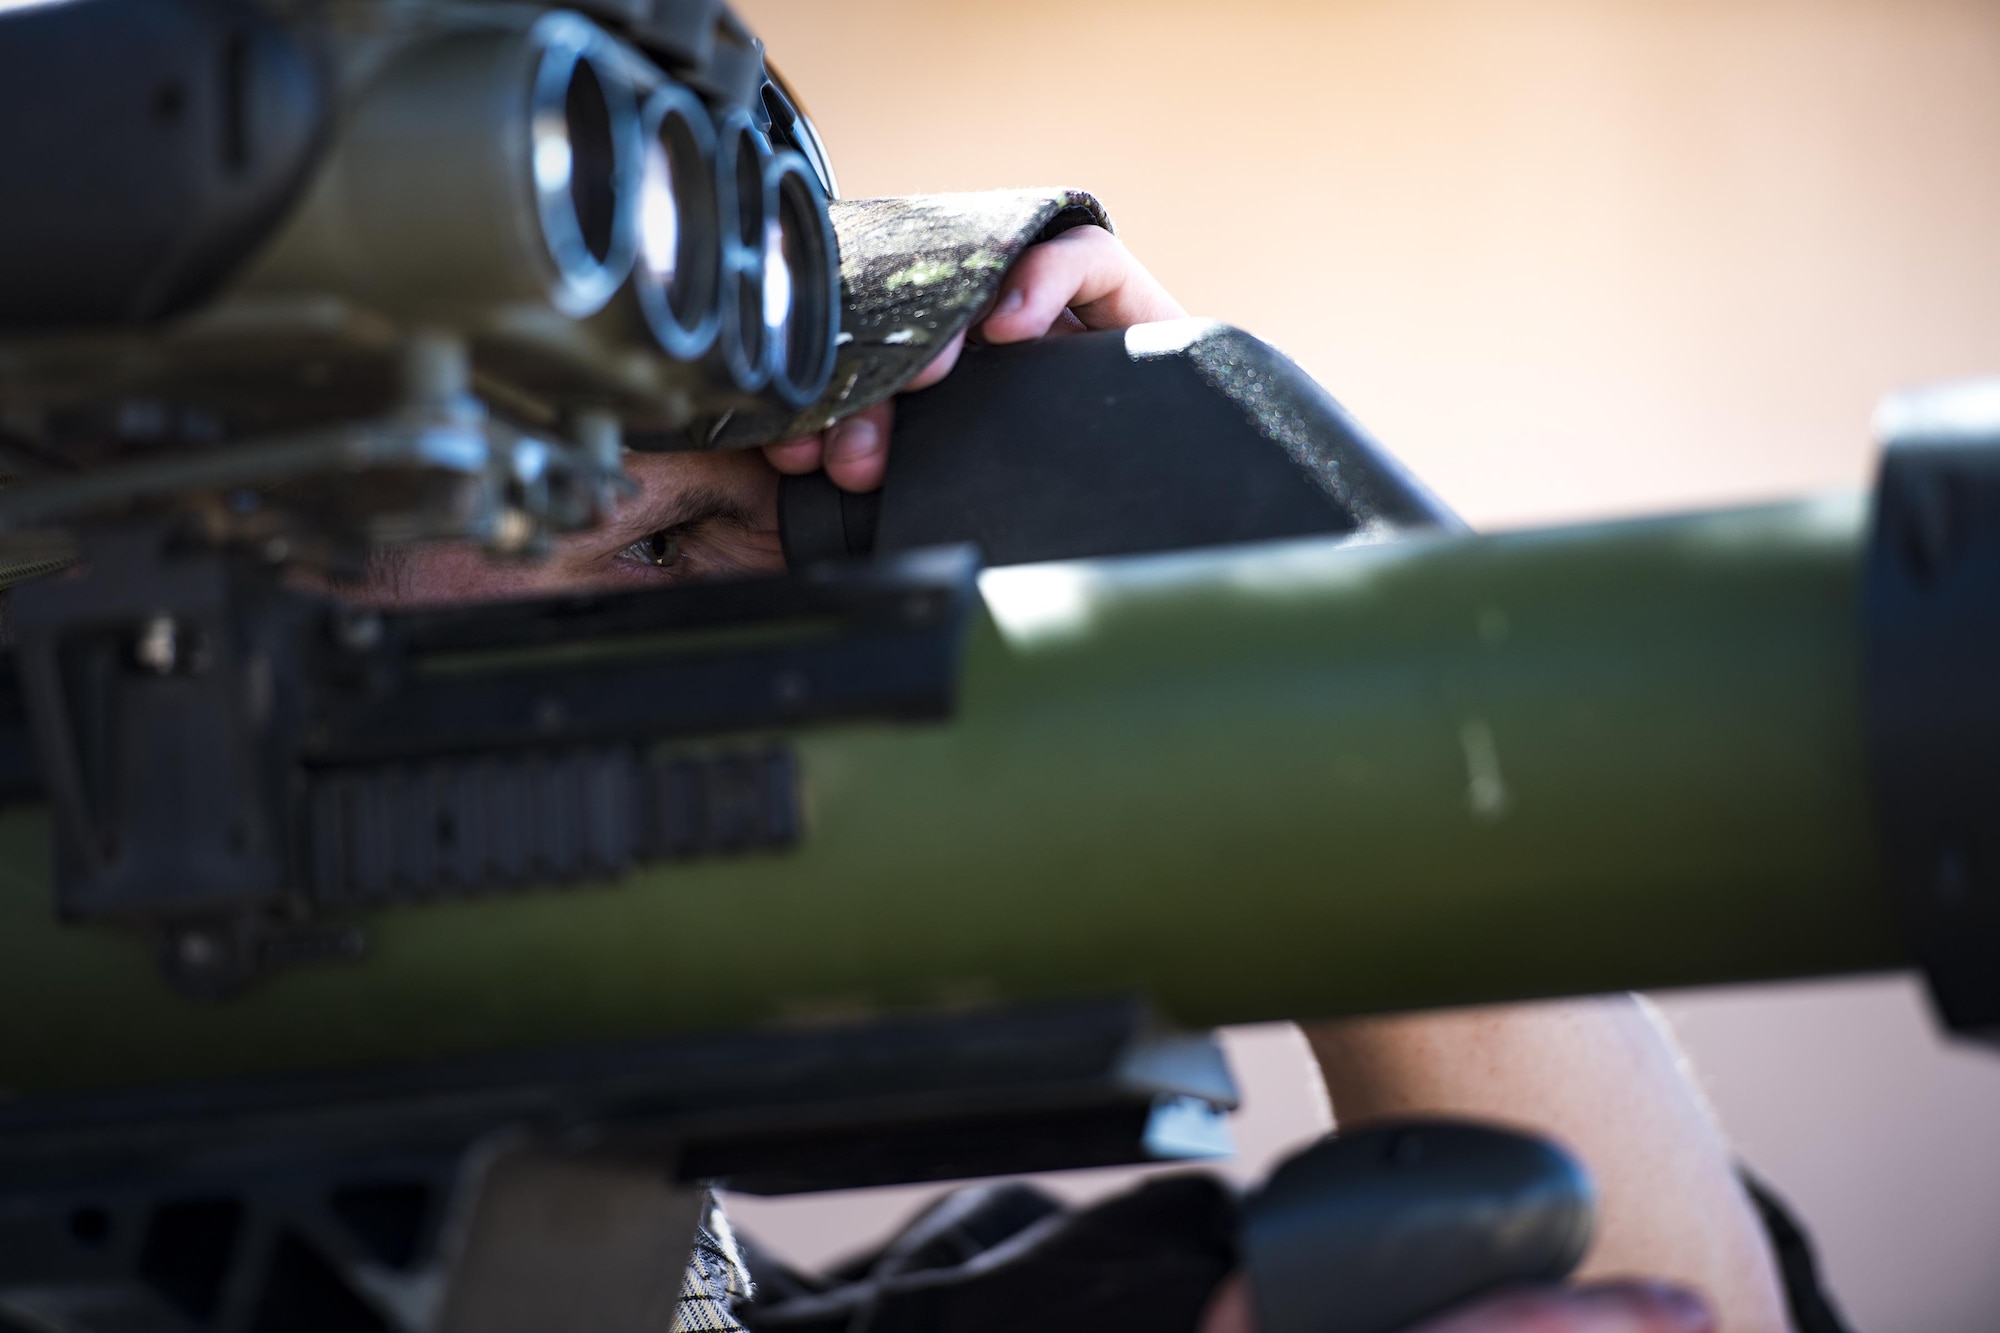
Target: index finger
1085,270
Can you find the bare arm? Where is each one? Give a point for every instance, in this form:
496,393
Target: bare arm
1603,1077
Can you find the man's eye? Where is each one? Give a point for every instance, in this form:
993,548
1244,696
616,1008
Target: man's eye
661,549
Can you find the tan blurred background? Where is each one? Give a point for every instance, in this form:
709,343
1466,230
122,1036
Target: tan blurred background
1568,259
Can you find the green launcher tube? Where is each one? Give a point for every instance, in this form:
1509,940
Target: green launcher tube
1285,781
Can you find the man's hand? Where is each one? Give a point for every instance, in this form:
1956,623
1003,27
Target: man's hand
1604,1307
1083,279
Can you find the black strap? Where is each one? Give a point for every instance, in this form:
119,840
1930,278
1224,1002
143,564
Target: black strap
1811,1306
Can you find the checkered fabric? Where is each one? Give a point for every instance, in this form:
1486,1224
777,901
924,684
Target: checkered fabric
715,1280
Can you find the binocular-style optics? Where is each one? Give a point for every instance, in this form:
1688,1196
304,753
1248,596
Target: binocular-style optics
605,235
391,272
500,175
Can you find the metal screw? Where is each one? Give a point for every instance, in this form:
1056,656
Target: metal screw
158,649
198,951
513,531
359,630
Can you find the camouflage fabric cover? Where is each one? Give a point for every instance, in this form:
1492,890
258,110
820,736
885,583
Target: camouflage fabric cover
914,270
716,1280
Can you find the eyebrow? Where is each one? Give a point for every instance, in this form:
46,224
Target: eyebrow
682,508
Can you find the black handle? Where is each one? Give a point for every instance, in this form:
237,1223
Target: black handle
1371,1231
1162,437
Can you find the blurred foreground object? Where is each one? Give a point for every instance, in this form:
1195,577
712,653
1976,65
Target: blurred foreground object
1365,1232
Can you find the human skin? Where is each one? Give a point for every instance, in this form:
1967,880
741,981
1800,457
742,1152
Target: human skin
1602,1077
1599,1075
1604,1307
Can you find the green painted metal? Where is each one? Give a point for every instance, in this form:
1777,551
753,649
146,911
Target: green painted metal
1287,781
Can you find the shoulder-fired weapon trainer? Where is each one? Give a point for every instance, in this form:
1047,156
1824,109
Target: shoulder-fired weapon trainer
342,949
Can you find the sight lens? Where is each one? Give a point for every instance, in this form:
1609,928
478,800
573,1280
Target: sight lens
801,283
680,238
752,216
749,164
743,210
593,170
586,159
659,218
777,279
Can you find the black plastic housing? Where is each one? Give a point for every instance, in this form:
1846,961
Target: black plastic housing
150,145
1371,1231
1161,437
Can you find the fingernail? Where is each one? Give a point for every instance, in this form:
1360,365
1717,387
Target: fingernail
1678,1306
852,439
1010,301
